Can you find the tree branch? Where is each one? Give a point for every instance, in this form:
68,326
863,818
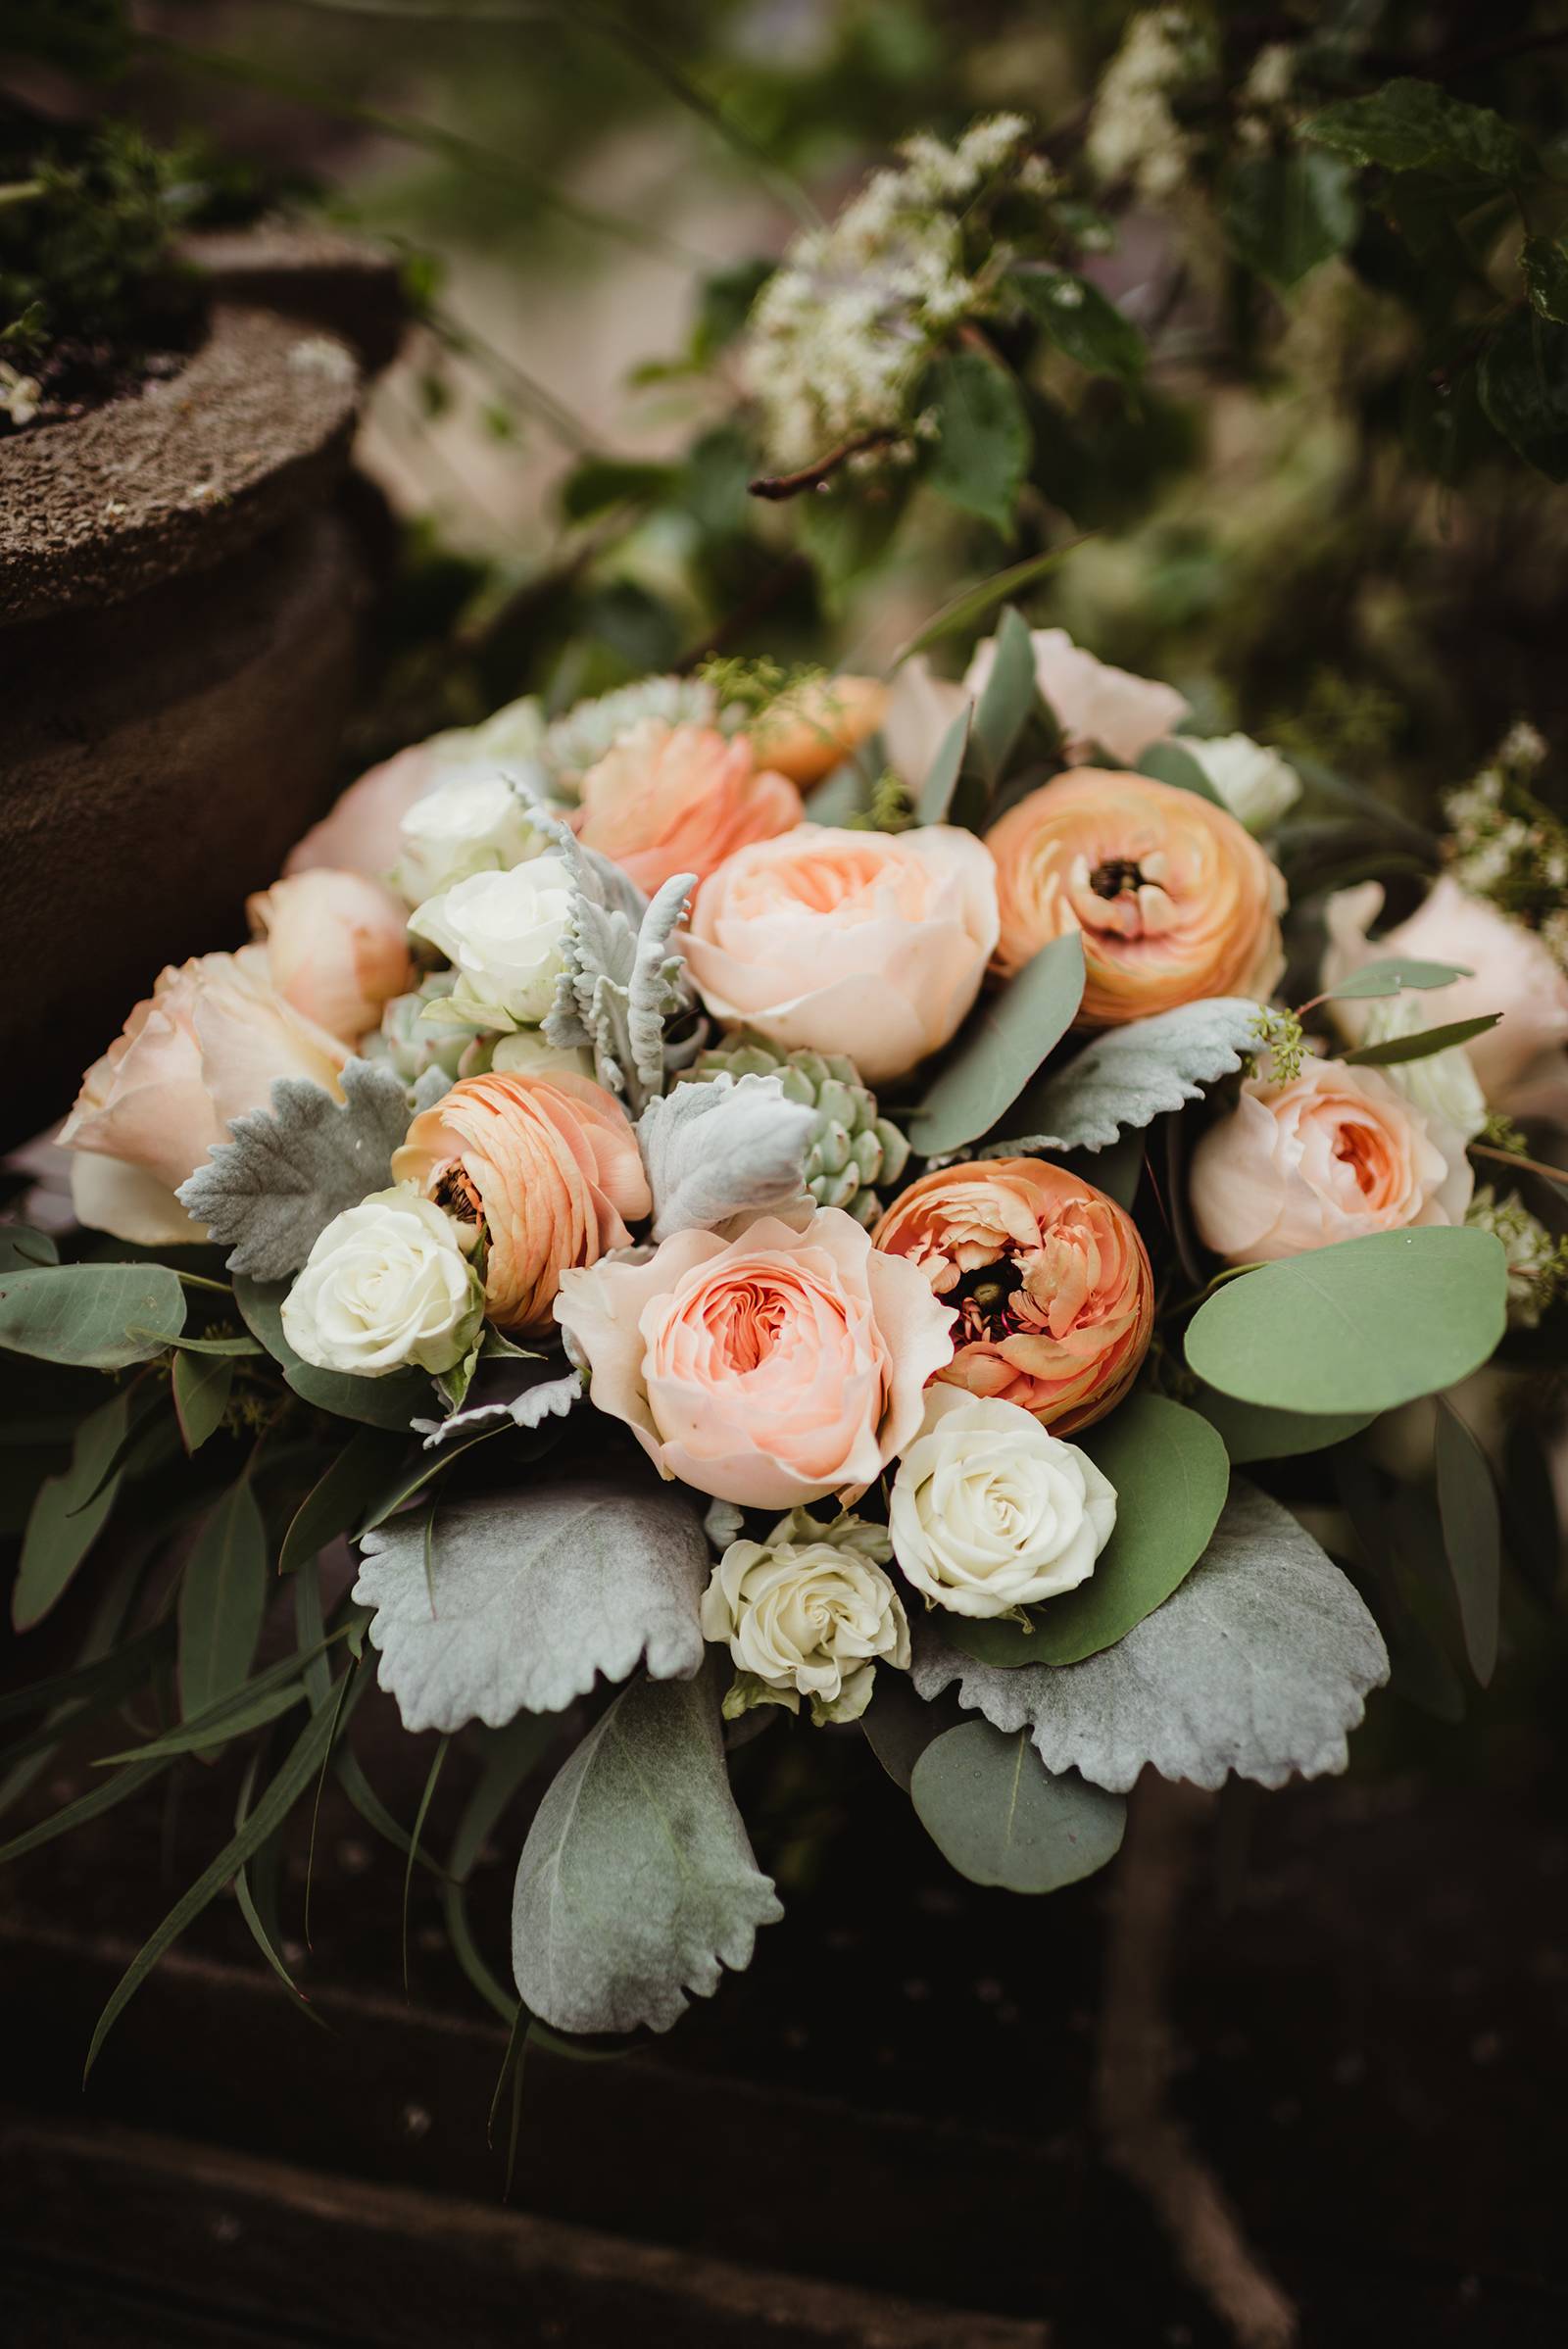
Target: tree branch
779,486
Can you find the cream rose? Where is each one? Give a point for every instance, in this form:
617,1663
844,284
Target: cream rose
388,1283
989,1512
1335,1154
337,947
1092,702
770,1369
1256,783
808,1612
862,943
503,934
473,823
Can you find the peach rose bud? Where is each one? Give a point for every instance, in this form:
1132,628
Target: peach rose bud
1335,1154
672,800
339,947
810,728
1048,1276
205,1046
1174,899
550,1164
768,1370
869,944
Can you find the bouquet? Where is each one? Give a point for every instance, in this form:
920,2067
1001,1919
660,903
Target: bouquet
776,1194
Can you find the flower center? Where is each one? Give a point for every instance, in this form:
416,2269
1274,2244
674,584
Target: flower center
984,1300
1117,876
455,1193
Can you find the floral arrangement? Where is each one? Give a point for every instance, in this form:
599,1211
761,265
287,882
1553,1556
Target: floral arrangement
785,1193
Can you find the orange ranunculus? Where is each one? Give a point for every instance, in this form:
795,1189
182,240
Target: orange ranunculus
1174,900
339,947
553,1167
812,727
1049,1279
672,800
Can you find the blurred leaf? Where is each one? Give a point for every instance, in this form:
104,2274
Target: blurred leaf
86,1314
973,602
1411,125
337,1501
982,452
1472,1536
21,1248
223,1596
1392,975
1523,389
1168,762
69,1514
1284,214
1081,322
1423,1044
1001,1818
1006,699
599,483
202,1387
1000,1047
1544,262
942,777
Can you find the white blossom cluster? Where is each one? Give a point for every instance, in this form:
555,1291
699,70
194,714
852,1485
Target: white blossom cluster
1507,847
1537,1262
842,328
1134,133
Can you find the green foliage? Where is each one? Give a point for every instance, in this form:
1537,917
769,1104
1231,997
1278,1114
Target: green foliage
84,242
1284,214
983,438
1472,1536
1411,125
69,1514
1001,1818
95,1316
1003,1044
1081,322
223,1596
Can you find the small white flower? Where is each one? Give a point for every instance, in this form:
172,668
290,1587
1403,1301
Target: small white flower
471,823
990,1512
807,1612
388,1284
1256,783
504,933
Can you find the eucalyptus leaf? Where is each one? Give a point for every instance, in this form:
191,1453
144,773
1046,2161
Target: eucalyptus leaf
1249,1432
1422,1043
95,1316
971,604
1359,1327
1392,975
24,1249
1259,1664
942,777
1171,1474
268,1192
1006,698
1131,1075
222,1597
730,1147
1472,1536
202,1386
337,1501
984,440
1000,1048
386,1402
898,1726
1169,761
1001,1819
69,1514
637,1884
535,1593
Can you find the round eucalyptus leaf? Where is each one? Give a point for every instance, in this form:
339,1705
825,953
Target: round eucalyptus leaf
1359,1327
1249,1432
997,1815
1171,1476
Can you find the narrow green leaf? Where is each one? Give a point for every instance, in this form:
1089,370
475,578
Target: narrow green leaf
69,1514
997,1815
235,1718
1472,1536
436,1760
337,1501
424,1470
1006,698
1423,1044
1000,1048
222,1597
251,1912
201,1389
92,1805
1392,975
1168,762
85,1313
109,1673
984,439
942,780
971,604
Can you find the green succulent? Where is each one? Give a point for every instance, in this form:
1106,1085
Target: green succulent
853,1148
411,1048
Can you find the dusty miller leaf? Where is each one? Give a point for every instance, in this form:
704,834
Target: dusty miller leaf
637,1883
531,1408
621,982
536,1592
270,1193
1129,1076
729,1148
1259,1663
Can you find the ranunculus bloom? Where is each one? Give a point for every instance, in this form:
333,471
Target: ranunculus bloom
1520,1063
1095,705
771,1369
989,1512
205,1046
551,1163
1048,1276
1174,899
864,943
337,947
812,727
1333,1154
672,800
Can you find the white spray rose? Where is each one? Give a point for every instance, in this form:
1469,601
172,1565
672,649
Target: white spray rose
473,823
807,1612
1444,1085
388,1284
1256,783
503,934
990,1512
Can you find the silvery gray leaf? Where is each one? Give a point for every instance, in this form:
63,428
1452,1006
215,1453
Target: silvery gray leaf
430,1086
723,1523
546,1399
1258,1663
620,981
271,1192
536,1592
637,1884
1131,1075
726,1147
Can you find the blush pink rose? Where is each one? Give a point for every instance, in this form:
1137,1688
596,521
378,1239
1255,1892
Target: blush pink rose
1334,1154
360,833
1520,1063
1092,701
768,1370
867,943
204,1048
672,800
337,946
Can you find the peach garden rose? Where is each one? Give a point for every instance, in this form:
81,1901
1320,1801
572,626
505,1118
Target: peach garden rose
770,1369
552,1166
1335,1154
1048,1276
672,800
865,943
1174,900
